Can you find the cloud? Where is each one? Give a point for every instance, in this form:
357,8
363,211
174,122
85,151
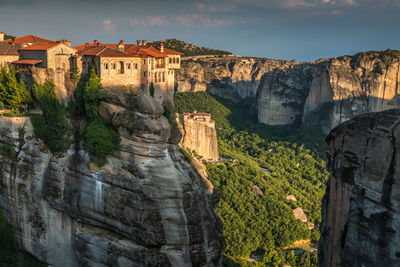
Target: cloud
205,20
108,26
158,20
221,7
291,4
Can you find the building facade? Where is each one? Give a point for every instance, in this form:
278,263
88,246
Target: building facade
127,66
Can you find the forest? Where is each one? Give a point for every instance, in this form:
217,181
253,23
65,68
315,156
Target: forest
261,166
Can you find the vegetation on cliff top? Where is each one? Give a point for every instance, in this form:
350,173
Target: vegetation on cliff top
100,137
280,162
189,49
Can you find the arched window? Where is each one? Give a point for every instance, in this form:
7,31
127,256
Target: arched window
177,60
135,66
169,60
163,76
128,66
121,67
106,66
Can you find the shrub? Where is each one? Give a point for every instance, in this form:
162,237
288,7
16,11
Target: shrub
100,137
101,140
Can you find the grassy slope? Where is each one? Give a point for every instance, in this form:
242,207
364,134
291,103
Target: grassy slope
189,49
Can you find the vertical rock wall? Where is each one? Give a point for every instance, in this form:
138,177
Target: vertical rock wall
146,207
199,134
361,208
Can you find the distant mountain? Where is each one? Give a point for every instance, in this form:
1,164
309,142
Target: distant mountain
189,49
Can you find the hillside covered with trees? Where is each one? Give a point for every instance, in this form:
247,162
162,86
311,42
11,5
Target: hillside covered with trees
189,49
262,165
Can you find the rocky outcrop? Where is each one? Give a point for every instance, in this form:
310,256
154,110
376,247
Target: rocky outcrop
361,207
234,78
146,207
325,93
199,134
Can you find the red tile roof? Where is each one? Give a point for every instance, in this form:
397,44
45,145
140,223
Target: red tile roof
2,32
104,51
27,62
30,39
39,47
143,50
9,49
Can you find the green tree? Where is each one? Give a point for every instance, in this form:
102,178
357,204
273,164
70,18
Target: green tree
13,91
151,89
100,137
52,126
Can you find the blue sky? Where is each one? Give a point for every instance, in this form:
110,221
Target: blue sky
304,30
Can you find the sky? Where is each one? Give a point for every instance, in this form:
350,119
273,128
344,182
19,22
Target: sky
305,30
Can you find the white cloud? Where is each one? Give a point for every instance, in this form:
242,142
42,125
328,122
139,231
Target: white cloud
158,20
204,20
108,26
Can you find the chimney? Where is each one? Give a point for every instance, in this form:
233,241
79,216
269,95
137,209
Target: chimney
87,45
162,47
1,36
121,45
144,42
139,42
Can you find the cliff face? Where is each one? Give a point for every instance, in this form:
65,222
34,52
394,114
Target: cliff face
199,134
326,92
231,78
146,207
361,208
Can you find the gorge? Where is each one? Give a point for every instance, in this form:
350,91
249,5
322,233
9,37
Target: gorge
324,93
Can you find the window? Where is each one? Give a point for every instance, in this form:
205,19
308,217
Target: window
170,60
106,66
128,66
144,74
174,61
113,65
144,61
135,66
163,76
177,60
155,77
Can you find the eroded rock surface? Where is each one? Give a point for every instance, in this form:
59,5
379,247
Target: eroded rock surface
199,134
361,207
324,93
146,207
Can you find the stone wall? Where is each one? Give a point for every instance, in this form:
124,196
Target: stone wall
7,59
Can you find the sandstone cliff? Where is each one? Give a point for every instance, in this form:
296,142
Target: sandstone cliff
361,208
146,207
233,78
199,134
326,92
